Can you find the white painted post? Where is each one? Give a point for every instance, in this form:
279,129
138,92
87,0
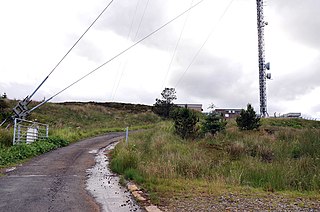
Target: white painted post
127,134
47,131
14,132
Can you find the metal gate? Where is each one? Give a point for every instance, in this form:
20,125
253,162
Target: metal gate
28,131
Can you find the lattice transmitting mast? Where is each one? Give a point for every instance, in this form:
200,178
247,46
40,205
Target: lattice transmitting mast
262,65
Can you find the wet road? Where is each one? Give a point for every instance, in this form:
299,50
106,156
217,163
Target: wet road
55,181
105,186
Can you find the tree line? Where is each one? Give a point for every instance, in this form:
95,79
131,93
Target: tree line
187,123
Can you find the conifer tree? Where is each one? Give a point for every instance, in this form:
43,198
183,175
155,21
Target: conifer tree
248,119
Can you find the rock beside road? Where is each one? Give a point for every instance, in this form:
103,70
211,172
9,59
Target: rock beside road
240,202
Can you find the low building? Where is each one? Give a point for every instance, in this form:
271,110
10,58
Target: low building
229,113
291,115
196,107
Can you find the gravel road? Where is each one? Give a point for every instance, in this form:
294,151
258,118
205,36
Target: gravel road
240,202
54,181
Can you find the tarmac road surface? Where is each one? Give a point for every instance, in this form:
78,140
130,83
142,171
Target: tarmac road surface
54,181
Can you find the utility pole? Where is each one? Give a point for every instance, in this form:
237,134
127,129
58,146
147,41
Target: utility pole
262,65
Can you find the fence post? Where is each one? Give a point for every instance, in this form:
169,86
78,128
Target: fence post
127,134
47,131
14,132
18,133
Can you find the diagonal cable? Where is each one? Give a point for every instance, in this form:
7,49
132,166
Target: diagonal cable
119,54
175,49
141,19
56,66
204,43
116,84
135,37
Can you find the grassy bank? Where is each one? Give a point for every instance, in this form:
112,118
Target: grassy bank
279,157
75,121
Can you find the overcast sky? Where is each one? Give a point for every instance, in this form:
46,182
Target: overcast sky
35,34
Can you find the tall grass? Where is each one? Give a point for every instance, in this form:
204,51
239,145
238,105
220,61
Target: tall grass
6,137
274,158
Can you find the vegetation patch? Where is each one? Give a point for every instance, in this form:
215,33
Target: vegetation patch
17,153
6,137
286,160
185,122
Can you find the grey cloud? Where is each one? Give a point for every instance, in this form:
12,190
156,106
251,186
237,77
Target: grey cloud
316,109
139,96
20,91
300,19
219,80
291,86
119,17
90,51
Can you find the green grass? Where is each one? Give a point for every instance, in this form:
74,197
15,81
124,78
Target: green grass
20,152
293,123
275,158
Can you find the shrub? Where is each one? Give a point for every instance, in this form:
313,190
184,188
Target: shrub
5,137
162,108
123,159
213,123
185,122
58,141
248,119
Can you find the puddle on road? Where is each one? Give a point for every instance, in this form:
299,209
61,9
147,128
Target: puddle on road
95,151
105,187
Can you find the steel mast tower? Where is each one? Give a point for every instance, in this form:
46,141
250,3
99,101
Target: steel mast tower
262,65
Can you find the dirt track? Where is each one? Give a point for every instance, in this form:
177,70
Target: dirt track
54,181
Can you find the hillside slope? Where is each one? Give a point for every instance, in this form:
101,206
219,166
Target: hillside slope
77,120
275,168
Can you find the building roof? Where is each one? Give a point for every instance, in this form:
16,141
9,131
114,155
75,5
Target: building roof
227,109
190,105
